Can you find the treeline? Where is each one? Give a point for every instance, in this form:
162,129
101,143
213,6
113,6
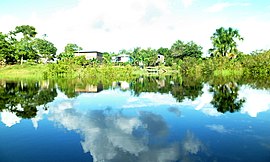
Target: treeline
21,45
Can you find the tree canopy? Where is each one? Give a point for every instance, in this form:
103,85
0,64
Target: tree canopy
45,49
70,48
225,42
20,45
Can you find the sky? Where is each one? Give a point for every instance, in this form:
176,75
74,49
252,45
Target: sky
109,26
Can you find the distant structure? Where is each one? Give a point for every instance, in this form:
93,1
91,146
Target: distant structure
90,55
121,84
160,59
89,88
121,58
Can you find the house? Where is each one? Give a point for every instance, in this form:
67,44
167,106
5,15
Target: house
121,58
88,88
123,85
89,55
160,59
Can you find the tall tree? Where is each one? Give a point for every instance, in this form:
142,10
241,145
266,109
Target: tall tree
225,42
6,50
70,48
23,45
135,55
45,49
225,97
180,50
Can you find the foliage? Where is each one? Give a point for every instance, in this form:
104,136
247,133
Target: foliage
107,58
226,97
225,42
23,98
147,57
45,49
70,48
180,88
180,50
258,65
23,46
166,52
6,50
20,45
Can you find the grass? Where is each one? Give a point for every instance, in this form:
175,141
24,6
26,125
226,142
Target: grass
228,72
31,72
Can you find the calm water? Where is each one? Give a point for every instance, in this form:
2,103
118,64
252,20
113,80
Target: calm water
146,119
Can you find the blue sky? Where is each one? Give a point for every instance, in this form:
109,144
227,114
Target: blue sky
110,26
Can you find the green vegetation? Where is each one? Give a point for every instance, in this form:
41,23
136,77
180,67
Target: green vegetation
20,46
22,98
25,71
224,42
69,51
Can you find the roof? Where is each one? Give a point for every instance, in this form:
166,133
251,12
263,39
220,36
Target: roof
87,52
123,55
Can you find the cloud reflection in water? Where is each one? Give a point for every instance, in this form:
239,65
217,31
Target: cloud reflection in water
110,135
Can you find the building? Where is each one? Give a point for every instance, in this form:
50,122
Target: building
123,85
160,59
88,88
89,55
121,58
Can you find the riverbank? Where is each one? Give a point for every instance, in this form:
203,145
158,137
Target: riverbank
31,72
44,71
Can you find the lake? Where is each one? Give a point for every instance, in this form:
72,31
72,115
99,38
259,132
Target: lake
146,119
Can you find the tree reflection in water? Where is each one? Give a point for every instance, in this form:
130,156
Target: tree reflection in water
180,88
225,97
22,98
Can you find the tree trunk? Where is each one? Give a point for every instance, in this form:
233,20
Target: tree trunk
21,60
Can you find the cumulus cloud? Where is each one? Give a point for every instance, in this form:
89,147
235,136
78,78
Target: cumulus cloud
218,128
124,24
150,99
191,144
9,118
111,136
257,101
211,111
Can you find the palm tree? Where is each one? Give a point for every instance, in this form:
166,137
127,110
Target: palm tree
225,97
224,42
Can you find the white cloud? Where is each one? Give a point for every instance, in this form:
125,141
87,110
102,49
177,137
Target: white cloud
218,7
204,99
150,99
257,101
218,128
187,3
109,136
211,111
192,144
39,116
253,29
9,118
145,23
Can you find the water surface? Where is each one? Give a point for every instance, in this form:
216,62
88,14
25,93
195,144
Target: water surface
147,119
